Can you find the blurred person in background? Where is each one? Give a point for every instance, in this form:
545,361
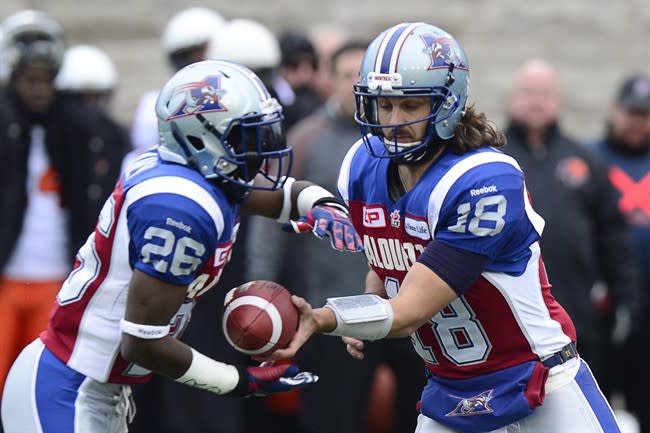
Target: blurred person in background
625,147
326,39
184,40
252,44
53,184
89,77
320,142
586,242
295,81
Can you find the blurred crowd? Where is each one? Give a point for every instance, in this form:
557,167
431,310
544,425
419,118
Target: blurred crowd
63,151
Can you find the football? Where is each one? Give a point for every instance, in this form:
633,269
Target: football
259,317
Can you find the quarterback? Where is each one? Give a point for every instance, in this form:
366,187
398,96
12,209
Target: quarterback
452,242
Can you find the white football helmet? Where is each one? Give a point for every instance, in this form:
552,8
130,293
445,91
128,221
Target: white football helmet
246,42
86,68
191,27
412,59
217,117
30,34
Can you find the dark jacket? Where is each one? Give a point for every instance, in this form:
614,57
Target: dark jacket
85,149
586,238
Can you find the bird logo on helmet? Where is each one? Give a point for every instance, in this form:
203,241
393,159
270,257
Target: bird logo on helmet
200,97
412,60
218,118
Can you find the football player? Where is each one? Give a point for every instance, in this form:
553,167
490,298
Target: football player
453,246
161,241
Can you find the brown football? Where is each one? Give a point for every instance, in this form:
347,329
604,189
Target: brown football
259,317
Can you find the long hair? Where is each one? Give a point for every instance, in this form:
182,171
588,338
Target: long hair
475,130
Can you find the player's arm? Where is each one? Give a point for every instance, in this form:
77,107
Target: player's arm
375,286
146,341
441,274
305,207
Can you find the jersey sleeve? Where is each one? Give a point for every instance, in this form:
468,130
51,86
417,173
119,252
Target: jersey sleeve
172,236
486,211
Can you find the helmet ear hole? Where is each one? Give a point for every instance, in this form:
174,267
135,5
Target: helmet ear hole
195,141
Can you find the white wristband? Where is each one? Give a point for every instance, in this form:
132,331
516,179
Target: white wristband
211,375
286,202
146,332
366,317
308,196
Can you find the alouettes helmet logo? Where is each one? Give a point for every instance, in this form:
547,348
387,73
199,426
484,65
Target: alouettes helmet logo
200,96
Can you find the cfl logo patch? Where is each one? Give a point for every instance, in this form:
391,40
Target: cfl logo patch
373,216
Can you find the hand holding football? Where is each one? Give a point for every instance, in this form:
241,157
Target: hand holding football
259,317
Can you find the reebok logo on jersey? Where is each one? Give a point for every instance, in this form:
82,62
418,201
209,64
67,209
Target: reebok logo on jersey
373,216
417,228
483,190
178,224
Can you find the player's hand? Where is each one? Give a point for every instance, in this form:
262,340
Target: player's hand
354,347
271,379
328,219
306,327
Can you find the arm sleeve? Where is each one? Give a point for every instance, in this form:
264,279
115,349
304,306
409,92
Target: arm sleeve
458,268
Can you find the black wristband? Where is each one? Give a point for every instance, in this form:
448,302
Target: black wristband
333,201
243,388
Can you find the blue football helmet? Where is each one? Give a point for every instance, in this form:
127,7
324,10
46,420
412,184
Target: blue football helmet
412,59
217,117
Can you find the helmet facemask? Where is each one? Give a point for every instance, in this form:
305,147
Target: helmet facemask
252,144
368,119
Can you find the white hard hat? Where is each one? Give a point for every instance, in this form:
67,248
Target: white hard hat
190,27
86,68
30,34
246,42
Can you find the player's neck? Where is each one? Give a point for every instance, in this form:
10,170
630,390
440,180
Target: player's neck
410,174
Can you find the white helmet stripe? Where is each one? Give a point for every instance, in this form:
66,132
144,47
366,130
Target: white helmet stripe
382,47
398,46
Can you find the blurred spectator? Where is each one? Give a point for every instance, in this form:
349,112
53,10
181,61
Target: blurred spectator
252,44
585,238
184,41
320,142
53,184
326,39
88,77
296,77
165,406
625,147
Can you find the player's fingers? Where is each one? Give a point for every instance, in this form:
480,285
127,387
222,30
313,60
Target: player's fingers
354,342
356,354
337,237
300,303
320,227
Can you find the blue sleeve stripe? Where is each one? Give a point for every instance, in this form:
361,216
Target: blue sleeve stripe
182,187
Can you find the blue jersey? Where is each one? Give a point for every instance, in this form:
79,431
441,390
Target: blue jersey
163,219
476,202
